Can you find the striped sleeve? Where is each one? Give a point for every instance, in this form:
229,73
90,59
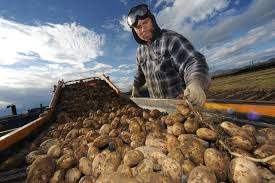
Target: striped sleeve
190,64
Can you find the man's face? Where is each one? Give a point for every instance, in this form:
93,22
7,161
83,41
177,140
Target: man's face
145,29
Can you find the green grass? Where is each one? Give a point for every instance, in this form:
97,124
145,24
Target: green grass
261,79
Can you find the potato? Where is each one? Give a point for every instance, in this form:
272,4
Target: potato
151,153
115,177
138,137
123,119
243,170
59,176
85,166
201,174
178,129
72,134
154,113
152,127
265,134
105,162
97,165
133,157
250,129
176,155
240,142
163,118
146,165
105,129
65,162
67,151
146,115
170,129
267,175
45,146
134,126
232,129
192,146
156,142
54,151
32,156
112,161
72,175
125,170
81,151
183,109
187,166
191,125
216,163
91,136
115,143
206,134
101,141
149,177
114,133
92,152
115,123
264,151
122,150
134,144
126,137
172,168
83,131
87,123
87,179
173,118
172,142
41,170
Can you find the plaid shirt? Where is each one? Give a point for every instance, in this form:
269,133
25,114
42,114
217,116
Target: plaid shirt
169,64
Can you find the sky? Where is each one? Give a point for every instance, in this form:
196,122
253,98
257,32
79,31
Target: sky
43,41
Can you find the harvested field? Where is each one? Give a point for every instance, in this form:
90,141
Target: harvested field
256,86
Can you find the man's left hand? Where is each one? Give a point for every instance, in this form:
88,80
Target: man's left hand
195,94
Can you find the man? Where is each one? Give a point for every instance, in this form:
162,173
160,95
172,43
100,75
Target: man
167,62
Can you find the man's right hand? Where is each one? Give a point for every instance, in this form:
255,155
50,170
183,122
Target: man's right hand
135,92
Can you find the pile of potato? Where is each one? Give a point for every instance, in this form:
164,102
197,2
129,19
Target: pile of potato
99,137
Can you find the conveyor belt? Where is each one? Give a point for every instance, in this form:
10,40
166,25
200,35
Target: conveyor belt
17,175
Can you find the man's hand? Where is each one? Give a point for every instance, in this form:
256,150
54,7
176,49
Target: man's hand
135,92
195,94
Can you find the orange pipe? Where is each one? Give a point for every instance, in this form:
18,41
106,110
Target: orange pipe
264,110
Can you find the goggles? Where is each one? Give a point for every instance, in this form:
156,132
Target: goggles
140,11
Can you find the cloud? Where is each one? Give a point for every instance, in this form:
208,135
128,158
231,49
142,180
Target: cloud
3,104
236,47
68,43
257,14
111,24
184,12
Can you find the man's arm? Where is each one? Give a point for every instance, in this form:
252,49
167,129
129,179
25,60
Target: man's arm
139,81
192,66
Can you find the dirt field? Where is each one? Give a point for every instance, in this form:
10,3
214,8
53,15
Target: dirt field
255,85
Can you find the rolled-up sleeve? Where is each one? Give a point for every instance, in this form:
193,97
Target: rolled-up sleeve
190,64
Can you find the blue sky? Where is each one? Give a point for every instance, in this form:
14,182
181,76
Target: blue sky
44,41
